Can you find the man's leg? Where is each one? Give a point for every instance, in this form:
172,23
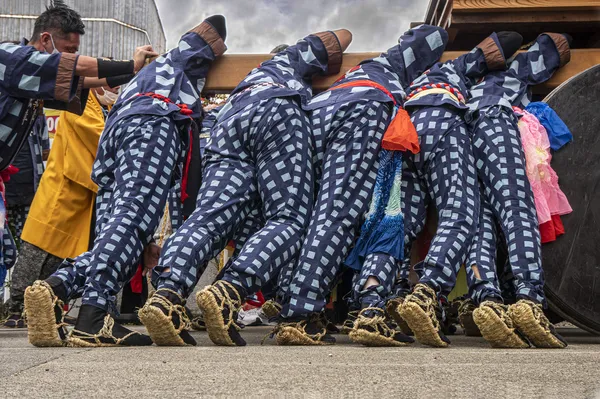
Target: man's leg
283,155
225,200
354,136
501,166
373,326
447,168
485,313
32,264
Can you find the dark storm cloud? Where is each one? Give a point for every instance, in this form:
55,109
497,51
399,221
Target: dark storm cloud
258,26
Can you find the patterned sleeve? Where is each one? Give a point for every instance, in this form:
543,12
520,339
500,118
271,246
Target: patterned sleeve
549,52
28,73
486,57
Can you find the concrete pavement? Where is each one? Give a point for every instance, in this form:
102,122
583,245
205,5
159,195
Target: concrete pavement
468,369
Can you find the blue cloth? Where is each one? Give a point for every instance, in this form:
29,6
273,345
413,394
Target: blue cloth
345,187
512,87
26,77
417,50
348,125
446,170
383,229
558,133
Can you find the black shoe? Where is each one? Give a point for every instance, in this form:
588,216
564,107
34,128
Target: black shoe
167,319
15,320
96,327
220,304
510,42
218,22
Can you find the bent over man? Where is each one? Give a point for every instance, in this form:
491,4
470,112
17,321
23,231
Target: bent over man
259,155
145,137
348,123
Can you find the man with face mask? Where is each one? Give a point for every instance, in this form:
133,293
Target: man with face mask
46,72
47,69
61,214
145,139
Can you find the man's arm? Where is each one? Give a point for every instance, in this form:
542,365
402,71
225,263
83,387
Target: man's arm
28,73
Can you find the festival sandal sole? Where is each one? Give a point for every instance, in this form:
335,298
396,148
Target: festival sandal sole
421,325
523,317
76,342
42,328
292,336
495,331
160,327
213,319
368,338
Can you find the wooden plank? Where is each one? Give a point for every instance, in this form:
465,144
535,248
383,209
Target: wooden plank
572,17
523,5
229,70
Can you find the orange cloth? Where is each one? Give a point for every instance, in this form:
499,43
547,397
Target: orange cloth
401,134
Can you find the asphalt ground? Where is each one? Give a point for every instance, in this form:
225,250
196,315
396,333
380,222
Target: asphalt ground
469,368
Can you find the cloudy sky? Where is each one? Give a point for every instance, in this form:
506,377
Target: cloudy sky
256,26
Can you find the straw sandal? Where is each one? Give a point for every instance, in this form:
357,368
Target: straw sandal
198,324
374,328
44,311
529,318
220,303
166,319
271,308
497,327
308,332
392,307
348,324
420,312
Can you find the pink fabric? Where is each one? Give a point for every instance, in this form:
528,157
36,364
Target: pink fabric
549,199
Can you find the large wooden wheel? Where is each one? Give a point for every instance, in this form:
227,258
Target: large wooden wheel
572,263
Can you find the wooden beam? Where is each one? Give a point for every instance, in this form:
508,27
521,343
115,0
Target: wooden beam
229,70
523,5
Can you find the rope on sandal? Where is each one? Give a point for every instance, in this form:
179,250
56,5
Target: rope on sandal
378,321
219,290
423,296
105,332
184,320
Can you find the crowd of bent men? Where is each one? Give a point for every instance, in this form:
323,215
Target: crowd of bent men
306,185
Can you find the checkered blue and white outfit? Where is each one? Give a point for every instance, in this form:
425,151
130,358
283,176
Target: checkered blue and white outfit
445,167
348,125
500,164
144,140
259,155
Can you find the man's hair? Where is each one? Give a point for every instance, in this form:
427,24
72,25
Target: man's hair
58,19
